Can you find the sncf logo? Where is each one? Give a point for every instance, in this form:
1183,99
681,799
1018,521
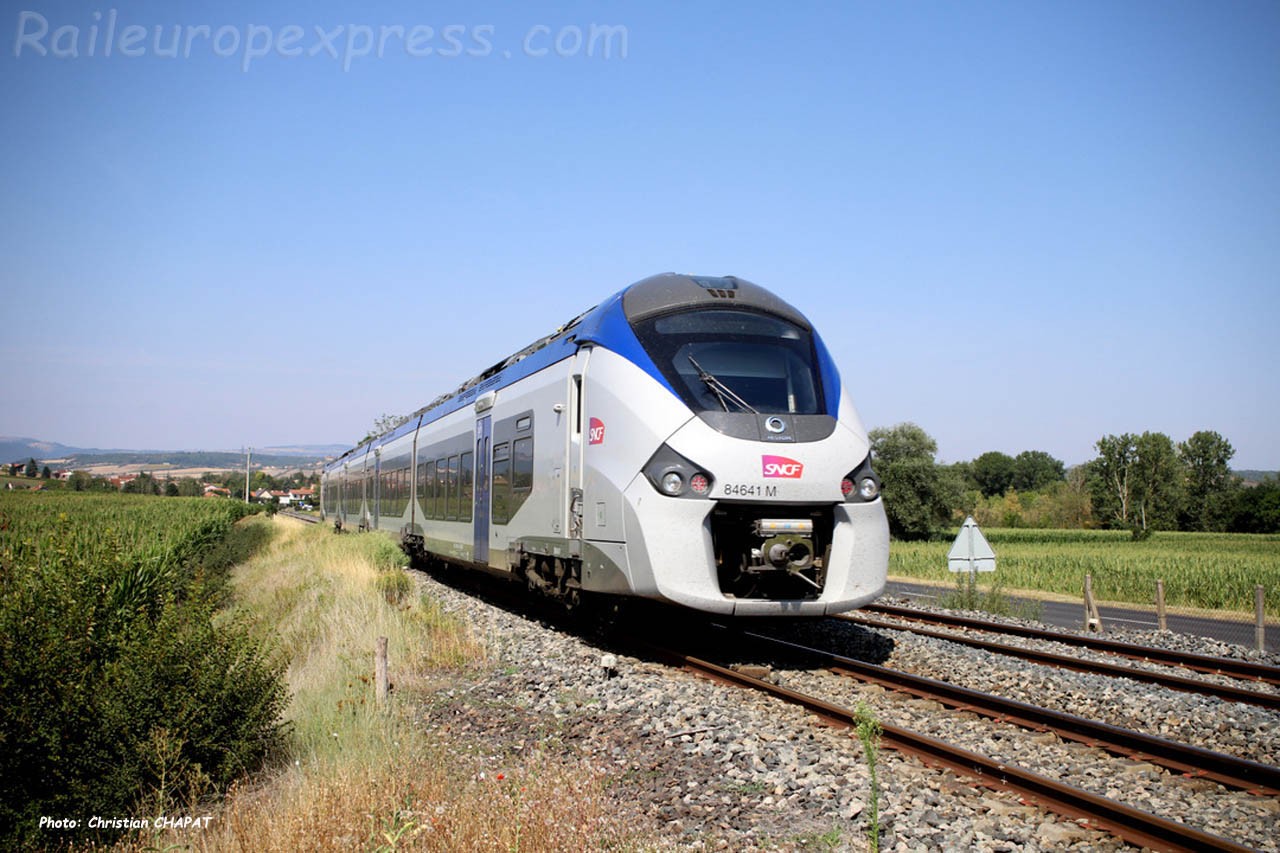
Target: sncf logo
596,433
781,466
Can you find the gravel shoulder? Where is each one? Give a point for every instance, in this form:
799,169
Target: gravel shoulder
696,765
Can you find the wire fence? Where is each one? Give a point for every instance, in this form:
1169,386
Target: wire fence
1245,624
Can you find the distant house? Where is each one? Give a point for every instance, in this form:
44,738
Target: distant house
216,492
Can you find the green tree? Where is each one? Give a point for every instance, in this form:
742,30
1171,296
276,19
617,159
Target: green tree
45,473
1256,509
382,423
170,489
1210,493
143,484
189,487
1109,478
32,470
918,493
1158,483
1136,482
992,473
80,481
1035,469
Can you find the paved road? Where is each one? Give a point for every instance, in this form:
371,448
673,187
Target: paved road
1069,615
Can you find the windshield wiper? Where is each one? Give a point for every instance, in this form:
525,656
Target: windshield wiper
723,392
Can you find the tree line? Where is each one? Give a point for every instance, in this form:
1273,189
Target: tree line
146,483
1140,483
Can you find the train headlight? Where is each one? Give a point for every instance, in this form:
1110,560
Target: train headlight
677,477
868,488
861,484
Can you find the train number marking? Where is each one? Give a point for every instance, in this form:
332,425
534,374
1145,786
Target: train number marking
749,490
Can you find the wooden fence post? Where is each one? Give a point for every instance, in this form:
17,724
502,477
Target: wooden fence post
1260,613
380,671
1092,619
1161,615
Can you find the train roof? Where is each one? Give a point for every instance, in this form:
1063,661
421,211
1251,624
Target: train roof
607,324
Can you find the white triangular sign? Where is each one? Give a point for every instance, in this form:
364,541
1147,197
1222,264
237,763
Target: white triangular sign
971,552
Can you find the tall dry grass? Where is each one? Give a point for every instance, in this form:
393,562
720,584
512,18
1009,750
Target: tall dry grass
363,777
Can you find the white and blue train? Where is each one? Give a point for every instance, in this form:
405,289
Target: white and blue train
687,440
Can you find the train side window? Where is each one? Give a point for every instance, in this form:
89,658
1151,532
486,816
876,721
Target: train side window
426,486
500,489
442,471
466,488
521,472
451,496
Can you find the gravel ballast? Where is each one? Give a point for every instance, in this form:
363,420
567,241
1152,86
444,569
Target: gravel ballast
700,765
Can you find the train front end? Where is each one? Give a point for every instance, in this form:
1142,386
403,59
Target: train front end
754,493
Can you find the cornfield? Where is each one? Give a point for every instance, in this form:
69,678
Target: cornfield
90,528
119,689
1215,571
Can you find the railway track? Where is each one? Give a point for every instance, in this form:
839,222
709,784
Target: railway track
1241,669
1130,824
309,519
921,732
1259,673
1192,761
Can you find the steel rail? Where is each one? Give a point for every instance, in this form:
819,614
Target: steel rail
310,519
1132,825
1247,670
1173,682
1192,761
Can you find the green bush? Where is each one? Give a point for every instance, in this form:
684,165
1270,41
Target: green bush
119,689
395,586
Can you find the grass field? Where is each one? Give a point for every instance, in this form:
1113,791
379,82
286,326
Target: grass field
119,690
1215,571
363,777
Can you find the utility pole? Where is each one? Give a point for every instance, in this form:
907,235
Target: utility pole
248,455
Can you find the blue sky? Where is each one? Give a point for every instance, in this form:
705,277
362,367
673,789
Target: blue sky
1021,225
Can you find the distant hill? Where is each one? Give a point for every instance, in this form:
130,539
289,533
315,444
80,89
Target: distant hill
21,449
1255,477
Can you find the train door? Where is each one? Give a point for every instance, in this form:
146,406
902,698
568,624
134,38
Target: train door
577,403
480,511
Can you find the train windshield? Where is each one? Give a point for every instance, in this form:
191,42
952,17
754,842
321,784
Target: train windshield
735,361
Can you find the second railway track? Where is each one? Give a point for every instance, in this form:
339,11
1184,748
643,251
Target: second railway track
909,620
1242,669
1251,776
1133,825
764,757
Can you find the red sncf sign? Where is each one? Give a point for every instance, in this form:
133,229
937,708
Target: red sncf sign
595,434
781,466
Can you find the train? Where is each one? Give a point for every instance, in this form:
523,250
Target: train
688,440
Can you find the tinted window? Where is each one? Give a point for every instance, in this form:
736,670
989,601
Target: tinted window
500,492
427,487
521,473
735,361
467,497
